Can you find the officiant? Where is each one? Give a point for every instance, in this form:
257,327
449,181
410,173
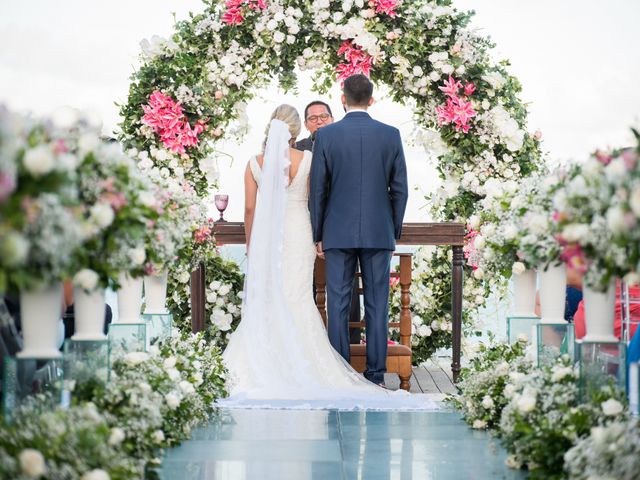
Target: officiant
317,115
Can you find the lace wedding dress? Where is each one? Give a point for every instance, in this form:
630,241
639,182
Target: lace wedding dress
280,355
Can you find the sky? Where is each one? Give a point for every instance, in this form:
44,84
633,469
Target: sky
576,59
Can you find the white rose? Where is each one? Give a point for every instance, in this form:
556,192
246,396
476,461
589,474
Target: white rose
478,273
173,400
215,285
39,160
158,436
509,390
634,202
616,171
447,69
526,403
518,268
67,161
487,402
169,362
96,474
616,221
86,279
575,232
599,435
538,223
612,407
424,331
88,142
279,37
474,222
479,242
137,256
101,214
14,249
173,374
147,199
479,424
117,436
135,358
184,277
212,297
272,25
224,289
32,463
560,372
186,387
510,232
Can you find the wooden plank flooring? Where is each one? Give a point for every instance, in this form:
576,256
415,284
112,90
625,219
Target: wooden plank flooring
433,376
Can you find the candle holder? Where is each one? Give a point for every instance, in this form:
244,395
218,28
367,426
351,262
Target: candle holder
159,326
601,364
554,341
222,202
127,337
520,327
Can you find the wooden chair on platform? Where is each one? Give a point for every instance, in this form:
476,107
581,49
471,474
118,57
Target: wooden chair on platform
398,356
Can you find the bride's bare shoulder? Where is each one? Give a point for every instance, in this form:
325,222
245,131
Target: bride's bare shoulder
295,154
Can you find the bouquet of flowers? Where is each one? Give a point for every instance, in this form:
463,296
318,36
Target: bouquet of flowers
545,417
482,384
608,452
39,218
72,443
598,212
118,207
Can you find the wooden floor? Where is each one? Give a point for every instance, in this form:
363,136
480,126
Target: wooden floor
433,376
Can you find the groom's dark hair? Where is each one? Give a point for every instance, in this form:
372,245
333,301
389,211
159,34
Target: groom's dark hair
357,90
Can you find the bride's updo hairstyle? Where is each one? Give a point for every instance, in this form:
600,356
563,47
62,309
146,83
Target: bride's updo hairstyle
289,115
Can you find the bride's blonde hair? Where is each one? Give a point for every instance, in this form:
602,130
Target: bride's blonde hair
287,114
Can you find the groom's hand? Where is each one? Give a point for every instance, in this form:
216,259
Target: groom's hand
319,250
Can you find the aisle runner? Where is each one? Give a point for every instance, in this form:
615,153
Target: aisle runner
330,445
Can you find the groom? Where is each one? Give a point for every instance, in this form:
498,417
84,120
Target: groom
358,197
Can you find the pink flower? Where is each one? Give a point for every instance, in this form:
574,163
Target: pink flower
393,281
469,88
7,185
386,6
358,61
202,234
166,118
574,257
392,36
537,135
116,200
60,147
233,16
218,94
603,157
451,87
458,111
630,158
149,269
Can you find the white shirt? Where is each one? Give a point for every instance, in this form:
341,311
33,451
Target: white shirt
352,110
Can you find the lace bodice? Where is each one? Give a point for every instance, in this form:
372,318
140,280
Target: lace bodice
298,188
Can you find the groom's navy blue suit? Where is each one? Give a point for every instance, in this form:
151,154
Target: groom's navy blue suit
357,201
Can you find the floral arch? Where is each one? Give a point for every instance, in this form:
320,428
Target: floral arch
191,86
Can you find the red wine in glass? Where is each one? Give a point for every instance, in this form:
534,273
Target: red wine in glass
222,201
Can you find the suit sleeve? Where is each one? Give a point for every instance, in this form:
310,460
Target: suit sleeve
398,187
319,187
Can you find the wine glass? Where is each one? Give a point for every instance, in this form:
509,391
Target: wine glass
222,201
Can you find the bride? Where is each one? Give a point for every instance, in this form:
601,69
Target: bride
280,355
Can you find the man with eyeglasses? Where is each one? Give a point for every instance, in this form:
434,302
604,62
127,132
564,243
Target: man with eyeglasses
316,115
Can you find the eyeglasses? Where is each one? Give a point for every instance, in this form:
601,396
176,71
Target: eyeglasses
315,118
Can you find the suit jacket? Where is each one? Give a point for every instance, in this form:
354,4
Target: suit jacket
359,185
304,144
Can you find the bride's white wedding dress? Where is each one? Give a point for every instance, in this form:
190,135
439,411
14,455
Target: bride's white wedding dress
280,355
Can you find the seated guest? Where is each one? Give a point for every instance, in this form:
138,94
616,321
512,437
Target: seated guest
634,311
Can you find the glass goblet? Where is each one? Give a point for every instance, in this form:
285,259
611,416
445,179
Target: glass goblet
222,202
